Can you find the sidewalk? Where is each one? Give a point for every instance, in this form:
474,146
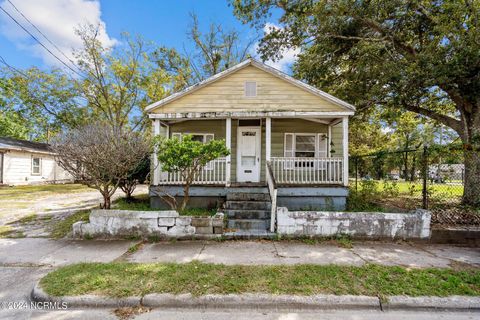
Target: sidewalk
24,261
53,253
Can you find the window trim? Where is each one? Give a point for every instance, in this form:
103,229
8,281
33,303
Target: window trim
39,173
245,89
209,165
317,135
180,134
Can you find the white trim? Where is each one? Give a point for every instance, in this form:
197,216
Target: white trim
317,120
345,150
39,173
228,143
156,164
329,147
318,143
259,166
289,164
261,66
180,134
268,138
249,114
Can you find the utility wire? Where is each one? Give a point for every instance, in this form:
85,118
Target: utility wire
39,31
39,42
2,60
12,67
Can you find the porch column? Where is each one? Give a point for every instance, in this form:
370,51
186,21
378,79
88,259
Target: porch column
345,150
228,142
268,138
156,165
329,141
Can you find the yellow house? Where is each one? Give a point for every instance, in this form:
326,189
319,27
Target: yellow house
288,141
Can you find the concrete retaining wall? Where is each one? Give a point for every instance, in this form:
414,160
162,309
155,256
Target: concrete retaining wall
375,225
163,224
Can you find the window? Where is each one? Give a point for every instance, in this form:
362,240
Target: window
36,166
250,89
304,145
201,137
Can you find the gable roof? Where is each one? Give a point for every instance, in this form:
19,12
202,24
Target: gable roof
259,65
24,145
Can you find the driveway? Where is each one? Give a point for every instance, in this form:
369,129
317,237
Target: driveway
49,204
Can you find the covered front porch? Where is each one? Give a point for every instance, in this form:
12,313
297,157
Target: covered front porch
281,148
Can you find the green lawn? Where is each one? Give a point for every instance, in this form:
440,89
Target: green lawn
415,188
19,192
142,203
130,279
61,228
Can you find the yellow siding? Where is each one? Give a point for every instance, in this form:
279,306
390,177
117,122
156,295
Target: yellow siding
227,94
279,128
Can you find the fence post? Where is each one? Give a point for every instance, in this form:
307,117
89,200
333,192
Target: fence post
425,177
356,173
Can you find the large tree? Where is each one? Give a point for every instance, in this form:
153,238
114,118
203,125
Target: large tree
101,156
422,56
119,82
48,100
209,52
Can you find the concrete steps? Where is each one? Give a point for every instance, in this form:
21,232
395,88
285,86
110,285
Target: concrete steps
248,205
248,210
249,224
248,214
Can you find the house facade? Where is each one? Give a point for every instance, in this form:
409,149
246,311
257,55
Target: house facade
288,140
25,162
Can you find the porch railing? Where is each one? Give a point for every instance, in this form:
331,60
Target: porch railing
213,173
272,190
304,170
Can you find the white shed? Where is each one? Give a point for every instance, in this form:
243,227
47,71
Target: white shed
25,162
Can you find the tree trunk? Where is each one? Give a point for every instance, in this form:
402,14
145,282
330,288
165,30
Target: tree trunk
471,193
106,201
106,198
186,196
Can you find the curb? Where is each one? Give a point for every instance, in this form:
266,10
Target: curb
453,303
265,301
39,295
260,301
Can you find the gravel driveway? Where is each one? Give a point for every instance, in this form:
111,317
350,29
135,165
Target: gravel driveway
49,206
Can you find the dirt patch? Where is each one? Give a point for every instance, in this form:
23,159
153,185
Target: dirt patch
455,215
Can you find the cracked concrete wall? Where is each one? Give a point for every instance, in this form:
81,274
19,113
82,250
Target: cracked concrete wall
125,223
376,225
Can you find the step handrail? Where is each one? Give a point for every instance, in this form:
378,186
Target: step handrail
272,189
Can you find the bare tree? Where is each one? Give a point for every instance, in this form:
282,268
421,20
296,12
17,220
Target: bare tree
101,156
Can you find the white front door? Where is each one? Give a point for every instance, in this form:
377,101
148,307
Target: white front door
248,154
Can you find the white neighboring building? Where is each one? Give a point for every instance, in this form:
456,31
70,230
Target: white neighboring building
24,162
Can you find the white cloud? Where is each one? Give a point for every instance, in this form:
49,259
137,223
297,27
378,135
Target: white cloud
57,19
289,56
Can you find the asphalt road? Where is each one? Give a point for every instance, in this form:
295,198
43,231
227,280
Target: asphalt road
185,314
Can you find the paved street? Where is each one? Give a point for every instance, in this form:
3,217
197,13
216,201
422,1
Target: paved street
185,314
25,261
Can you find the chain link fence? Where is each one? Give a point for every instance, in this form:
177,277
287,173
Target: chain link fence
431,177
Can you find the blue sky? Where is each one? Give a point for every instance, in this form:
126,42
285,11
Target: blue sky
164,22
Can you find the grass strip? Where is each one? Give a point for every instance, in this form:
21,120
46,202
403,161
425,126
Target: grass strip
61,228
130,279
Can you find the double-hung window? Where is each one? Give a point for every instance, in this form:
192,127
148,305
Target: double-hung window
36,166
298,146
201,137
